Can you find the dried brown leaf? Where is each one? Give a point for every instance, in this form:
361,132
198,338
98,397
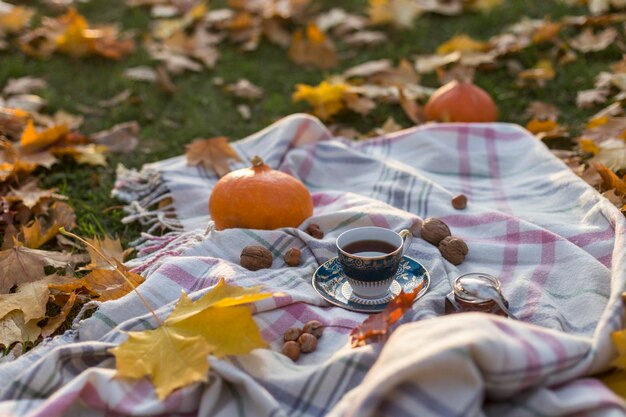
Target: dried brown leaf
23,85
30,194
109,283
20,264
213,154
13,328
542,111
312,47
413,111
587,41
244,89
55,322
121,138
109,247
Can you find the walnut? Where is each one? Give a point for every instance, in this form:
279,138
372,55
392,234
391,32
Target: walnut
291,349
256,257
292,257
292,333
315,231
313,327
307,342
434,230
459,202
453,249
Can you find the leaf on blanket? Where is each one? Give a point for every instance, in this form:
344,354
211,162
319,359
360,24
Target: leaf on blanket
376,327
175,354
213,154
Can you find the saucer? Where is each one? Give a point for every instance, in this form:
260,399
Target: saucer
332,284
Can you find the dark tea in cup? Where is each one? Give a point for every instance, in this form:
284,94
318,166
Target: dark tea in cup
369,247
369,257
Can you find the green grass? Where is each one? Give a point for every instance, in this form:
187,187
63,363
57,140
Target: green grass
200,109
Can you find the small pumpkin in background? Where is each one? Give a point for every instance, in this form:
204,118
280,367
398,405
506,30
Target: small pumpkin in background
461,101
259,197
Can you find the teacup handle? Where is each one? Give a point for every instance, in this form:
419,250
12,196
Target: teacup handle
407,238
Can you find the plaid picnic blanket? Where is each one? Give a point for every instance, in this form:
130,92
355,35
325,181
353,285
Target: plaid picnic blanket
556,245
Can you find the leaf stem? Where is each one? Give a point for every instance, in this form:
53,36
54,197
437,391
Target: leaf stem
106,258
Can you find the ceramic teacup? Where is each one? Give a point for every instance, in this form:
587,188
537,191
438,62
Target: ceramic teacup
369,257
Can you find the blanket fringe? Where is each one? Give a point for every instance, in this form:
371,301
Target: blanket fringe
149,200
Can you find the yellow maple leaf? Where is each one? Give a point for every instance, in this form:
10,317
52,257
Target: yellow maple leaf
326,98
597,121
547,31
462,43
35,236
77,39
33,141
400,13
175,354
90,154
543,71
538,126
15,19
588,146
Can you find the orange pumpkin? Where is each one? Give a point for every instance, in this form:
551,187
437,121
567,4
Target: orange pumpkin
259,197
461,101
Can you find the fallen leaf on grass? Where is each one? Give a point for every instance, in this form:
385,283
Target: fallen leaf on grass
20,264
375,328
30,298
612,154
542,111
175,354
400,13
13,328
23,85
313,48
326,98
121,138
78,39
109,284
536,126
412,110
462,43
30,194
141,73
55,322
589,98
244,89
109,247
32,141
213,154
587,41
14,19
35,236
610,181
542,72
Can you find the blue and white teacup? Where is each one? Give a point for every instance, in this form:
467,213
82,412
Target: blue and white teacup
369,257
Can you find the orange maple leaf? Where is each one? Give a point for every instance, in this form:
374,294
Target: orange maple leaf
33,141
376,327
